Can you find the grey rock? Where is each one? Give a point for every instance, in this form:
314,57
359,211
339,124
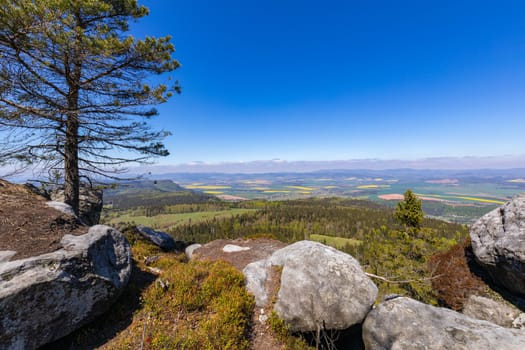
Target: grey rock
90,205
46,297
519,322
320,286
233,248
404,323
256,275
498,312
61,207
191,249
161,239
6,255
498,242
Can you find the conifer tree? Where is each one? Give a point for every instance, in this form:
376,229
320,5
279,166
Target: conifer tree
76,90
409,212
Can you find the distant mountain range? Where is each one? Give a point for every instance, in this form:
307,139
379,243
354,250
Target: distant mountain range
278,165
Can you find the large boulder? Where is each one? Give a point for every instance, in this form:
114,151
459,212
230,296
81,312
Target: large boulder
404,323
496,311
90,205
161,239
498,242
320,287
46,297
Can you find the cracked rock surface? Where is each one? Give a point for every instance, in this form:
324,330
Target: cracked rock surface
406,324
45,297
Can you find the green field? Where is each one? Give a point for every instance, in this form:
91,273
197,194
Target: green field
336,242
168,221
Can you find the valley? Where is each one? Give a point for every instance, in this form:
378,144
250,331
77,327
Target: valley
452,195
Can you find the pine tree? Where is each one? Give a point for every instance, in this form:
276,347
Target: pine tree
76,90
409,212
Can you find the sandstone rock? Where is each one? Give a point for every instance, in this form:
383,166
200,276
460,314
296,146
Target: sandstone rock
161,239
90,203
61,207
497,312
233,248
256,275
403,323
190,249
46,297
498,242
6,255
320,287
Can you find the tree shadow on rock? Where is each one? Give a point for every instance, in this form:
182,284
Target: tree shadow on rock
119,316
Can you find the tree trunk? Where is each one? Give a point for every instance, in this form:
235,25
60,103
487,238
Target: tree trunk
71,174
71,171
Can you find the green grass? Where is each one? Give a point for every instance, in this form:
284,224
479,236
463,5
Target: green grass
167,221
336,242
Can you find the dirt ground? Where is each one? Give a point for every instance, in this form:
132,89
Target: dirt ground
262,337
28,226
260,248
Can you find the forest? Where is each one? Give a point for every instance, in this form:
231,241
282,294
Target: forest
384,247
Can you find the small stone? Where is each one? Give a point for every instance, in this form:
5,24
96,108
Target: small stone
263,319
232,248
191,249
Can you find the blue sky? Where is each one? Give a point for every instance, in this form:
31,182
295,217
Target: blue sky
330,80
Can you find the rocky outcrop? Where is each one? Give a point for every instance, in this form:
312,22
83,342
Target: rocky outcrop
46,297
90,203
498,242
320,287
403,323
495,311
161,239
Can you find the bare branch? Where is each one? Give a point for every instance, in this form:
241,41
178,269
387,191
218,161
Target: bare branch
384,279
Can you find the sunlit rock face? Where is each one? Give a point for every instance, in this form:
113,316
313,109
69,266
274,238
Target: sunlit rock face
498,242
404,323
46,297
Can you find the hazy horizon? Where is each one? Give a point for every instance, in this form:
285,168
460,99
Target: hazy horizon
279,165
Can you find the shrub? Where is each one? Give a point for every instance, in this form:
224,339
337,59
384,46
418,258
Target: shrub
454,281
192,305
